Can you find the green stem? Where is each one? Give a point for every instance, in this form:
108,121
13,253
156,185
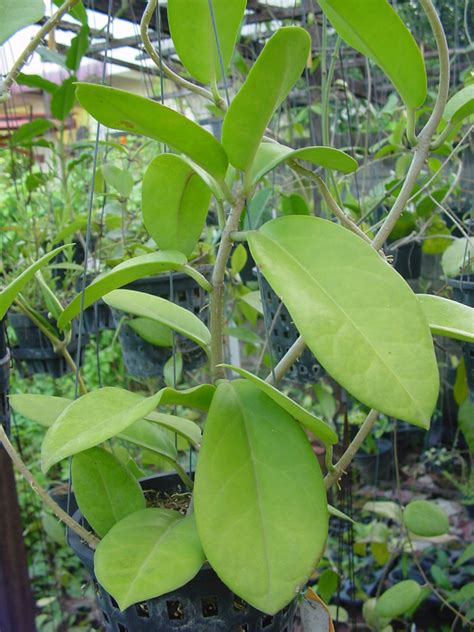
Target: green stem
411,126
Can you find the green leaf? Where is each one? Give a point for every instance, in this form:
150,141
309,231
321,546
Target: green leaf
173,370
193,35
92,419
270,155
16,14
148,554
147,435
466,426
128,112
36,81
336,513
119,179
26,132
78,11
44,409
151,331
466,555
184,427
124,273
244,335
356,314
317,426
199,397
63,99
327,584
259,497
50,56
375,29
104,489
460,106
398,599
177,318
238,259
175,202
268,83
425,519
458,256
54,530
9,294
77,49
448,318
385,508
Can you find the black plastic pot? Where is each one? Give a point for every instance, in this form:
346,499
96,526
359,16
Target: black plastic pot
375,467
409,439
141,358
35,354
463,292
98,316
283,334
205,604
407,260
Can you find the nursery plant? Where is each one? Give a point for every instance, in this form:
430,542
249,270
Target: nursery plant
258,512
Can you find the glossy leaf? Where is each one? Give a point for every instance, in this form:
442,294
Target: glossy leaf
16,14
124,273
317,426
460,106
175,202
375,29
270,155
177,318
193,35
104,489
398,599
148,554
128,112
9,294
356,314
199,397
151,331
259,497
92,419
448,318
184,427
268,83
425,519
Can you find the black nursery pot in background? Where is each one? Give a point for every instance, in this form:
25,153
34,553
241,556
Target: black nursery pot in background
35,354
377,466
463,292
205,604
407,260
143,359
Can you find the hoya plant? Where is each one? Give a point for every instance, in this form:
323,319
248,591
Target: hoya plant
258,512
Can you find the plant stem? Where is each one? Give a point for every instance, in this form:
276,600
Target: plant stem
85,535
180,81
47,27
424,139
287,361
217,296
345,460
411,126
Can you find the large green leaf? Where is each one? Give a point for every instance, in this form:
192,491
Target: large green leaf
192,31
184,427
425,519
16,14
448,318
268,83
259,497
128,112
270,155
356,314
105,490
9,294
92,419
148,554
175,201
375,29
124,273
460,106
315,425
163,311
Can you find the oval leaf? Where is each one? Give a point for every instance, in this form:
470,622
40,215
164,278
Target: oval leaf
151,331
9,294
104,489
193,34
92,419
317,426
148,554
268,83
398,599
460,106
16,14
425,519
270,155
458,257
177,318
124,273
375,29
44,409
184,427
175,201
356,314
259,497
128,112
448,318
